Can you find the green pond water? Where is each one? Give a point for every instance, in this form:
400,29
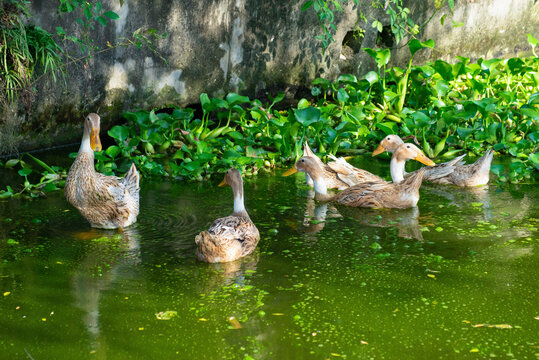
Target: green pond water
454,278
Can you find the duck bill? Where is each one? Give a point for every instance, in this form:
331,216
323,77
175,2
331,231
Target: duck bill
380,149
424,160
291,171
223,183
95,142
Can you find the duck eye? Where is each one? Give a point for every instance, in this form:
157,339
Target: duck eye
302,160
408,146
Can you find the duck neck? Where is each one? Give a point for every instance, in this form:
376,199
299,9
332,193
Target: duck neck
397,169
239,205
320,188
85,146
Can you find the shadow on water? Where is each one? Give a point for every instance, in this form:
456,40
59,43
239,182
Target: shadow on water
452,278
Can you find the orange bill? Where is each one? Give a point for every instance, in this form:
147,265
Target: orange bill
380,149
424,160
95,142
291,171
223,183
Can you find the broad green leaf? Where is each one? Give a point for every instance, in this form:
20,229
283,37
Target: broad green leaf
306,5
464,132
307,116
531,113
111,15
342,95
205,101
372,77
303,103
380,56
516,65
442,87
11,163
532,41
444,69
101,20
113,151
49,187
388,127
416,45
119,132
25,172
235,99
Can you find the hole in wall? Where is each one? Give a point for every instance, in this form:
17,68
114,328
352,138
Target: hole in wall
353,40
386,38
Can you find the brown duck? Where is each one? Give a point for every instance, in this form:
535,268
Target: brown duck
107,202
231,237
338,174
462,175
373,194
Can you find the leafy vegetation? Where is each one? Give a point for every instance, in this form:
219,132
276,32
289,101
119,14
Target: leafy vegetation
400,23
447,108
29,53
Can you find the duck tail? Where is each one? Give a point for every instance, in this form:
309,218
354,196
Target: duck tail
131,179
442,170
485,161
307,150
413,182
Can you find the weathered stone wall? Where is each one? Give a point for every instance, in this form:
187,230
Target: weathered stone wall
487,29
244,46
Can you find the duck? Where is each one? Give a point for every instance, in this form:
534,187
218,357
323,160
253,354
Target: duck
231,237
107,202
371,194
338,174
476,174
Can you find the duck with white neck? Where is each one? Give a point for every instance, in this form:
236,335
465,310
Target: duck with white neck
374,194
232,237
453,172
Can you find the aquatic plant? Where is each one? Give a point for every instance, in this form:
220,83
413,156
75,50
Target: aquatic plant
447,109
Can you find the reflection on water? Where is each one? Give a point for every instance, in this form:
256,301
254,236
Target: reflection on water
406,221
324,282
461,196
109,256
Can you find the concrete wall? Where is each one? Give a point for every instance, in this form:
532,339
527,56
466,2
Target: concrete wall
490,29
245,46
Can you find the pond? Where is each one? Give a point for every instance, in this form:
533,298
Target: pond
455,277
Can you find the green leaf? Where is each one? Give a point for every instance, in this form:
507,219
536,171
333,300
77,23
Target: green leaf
306,5
372,77
303,103
307,116
25,172
111,15
87,13
532,41
380,56
531,113
49,187
342,95
119,133
534,159
101,20
388,127
41,163
113,151
235,99
416,45
11,163
444,69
